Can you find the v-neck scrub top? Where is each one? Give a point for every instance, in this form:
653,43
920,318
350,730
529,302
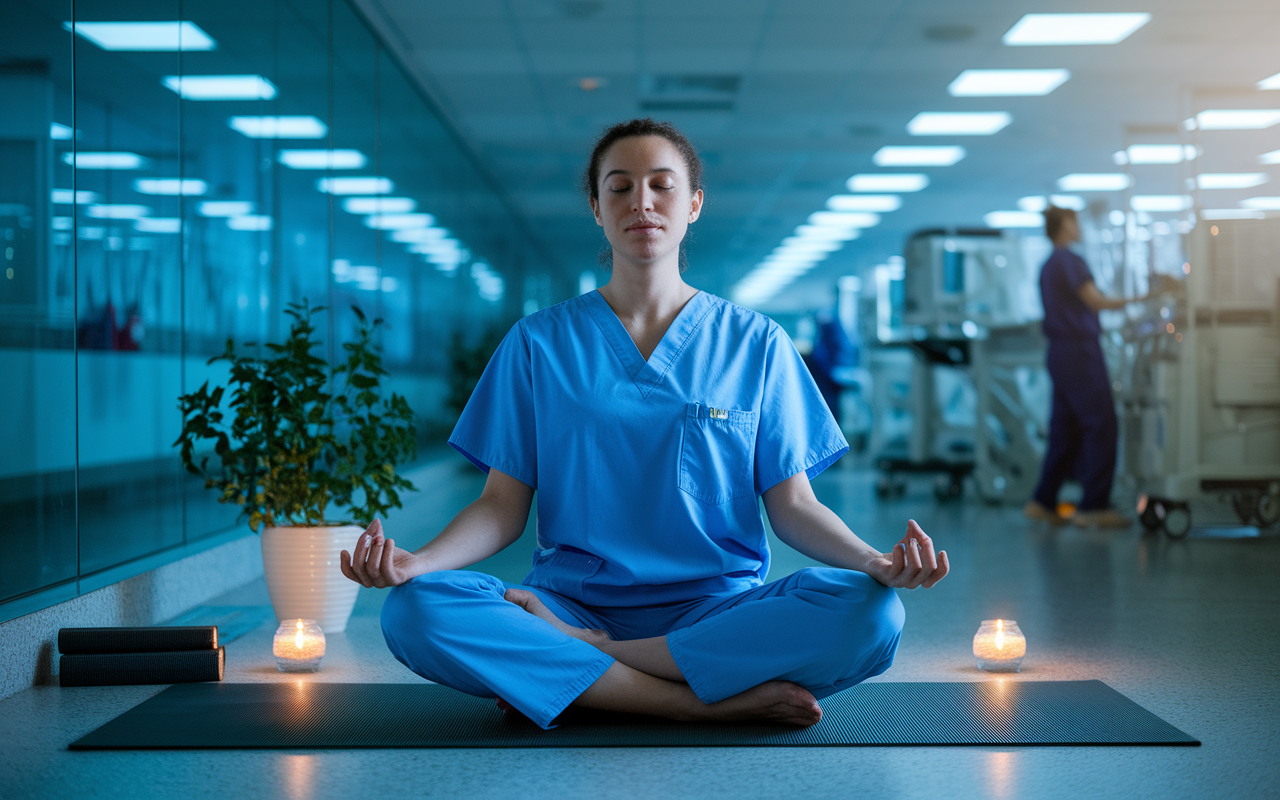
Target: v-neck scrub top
647,473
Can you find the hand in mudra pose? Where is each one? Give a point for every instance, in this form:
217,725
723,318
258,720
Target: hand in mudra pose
912,563
376,562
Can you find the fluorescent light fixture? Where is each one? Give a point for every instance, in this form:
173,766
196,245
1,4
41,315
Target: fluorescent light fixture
1270,158
912,156
250,222
410,235
1013,219
958,123
66,197
1160,202
1094,182
221,87
379,205
1230,180
801,244
1237,119
57,131
844,219
279,127
1070,201
1060,29
152,36
1034,204
437,246
191,187
322,159
345,186
1007,82
1262,203
888,182
104,160
864,202
225,208
1270,83
1231,213
158,225
832,234
398,222
1156,154
117,211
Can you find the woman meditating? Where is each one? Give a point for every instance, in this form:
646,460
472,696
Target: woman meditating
649,417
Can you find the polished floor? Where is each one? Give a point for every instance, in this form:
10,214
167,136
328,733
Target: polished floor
1189,629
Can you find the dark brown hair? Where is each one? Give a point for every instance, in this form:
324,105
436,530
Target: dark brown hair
642,127
1054,217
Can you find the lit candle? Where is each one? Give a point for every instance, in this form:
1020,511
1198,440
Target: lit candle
999,646
298,645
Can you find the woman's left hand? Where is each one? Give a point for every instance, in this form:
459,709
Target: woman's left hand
912,563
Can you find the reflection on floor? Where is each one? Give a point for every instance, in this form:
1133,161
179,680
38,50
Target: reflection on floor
1189,629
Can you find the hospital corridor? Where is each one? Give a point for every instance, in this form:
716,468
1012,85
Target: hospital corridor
599,399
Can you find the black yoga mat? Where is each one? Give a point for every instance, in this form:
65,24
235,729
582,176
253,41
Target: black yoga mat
338,715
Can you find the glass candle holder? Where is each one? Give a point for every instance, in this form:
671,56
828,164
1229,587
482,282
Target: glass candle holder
298,646
999,646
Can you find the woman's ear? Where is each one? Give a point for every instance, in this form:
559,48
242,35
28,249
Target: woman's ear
695,207
595,211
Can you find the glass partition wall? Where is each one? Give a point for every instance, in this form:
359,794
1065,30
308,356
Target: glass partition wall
172,174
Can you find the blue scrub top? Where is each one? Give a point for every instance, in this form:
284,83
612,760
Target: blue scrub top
647,472
1066,316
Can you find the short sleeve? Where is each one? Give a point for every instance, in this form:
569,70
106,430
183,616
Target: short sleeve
796,432
497,428
1075,272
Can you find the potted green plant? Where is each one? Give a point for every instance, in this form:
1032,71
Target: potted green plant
296,441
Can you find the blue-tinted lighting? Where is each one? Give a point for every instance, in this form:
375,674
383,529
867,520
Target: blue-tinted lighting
397,222
225,208
191,187
345,186
279,127
104,160
221,87
66,197
117,211
62,132
323,159
250,222
153,36
379,205
158,224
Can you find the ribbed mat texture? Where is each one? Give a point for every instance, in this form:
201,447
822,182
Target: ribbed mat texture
337,715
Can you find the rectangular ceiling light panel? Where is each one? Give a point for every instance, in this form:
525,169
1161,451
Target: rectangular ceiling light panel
346,186
1237,119
191,187
831,234
379,205
60,132
1231,213
1007,82
411,235
250,222
1062,29
1013,219
888,182
66,197
144,36
302,127
913,156
879,203
1160,202
1094,182
323,159
104,160
225,208
117,211
1270,83
221,87
958,123
844,219
1270,158
398,222
158,225
1262,203
1158,154
1230,180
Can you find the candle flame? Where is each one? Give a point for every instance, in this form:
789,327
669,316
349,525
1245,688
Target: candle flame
297,640
999,634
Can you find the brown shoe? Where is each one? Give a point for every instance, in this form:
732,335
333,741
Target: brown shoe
1038,513
1103,518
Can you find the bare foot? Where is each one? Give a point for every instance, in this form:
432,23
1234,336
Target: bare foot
775,701
530,602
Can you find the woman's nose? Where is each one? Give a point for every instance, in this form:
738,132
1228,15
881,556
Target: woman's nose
643,199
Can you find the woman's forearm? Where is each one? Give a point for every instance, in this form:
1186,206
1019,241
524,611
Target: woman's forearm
804,523
484,528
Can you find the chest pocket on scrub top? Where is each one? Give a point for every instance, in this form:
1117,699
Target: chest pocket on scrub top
717,452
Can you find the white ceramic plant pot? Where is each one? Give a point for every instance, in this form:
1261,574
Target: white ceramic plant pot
304,576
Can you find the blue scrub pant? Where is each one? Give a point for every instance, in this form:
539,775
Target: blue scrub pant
825,629
1082,427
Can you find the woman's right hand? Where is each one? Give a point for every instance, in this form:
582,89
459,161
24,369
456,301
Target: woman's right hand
377,562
